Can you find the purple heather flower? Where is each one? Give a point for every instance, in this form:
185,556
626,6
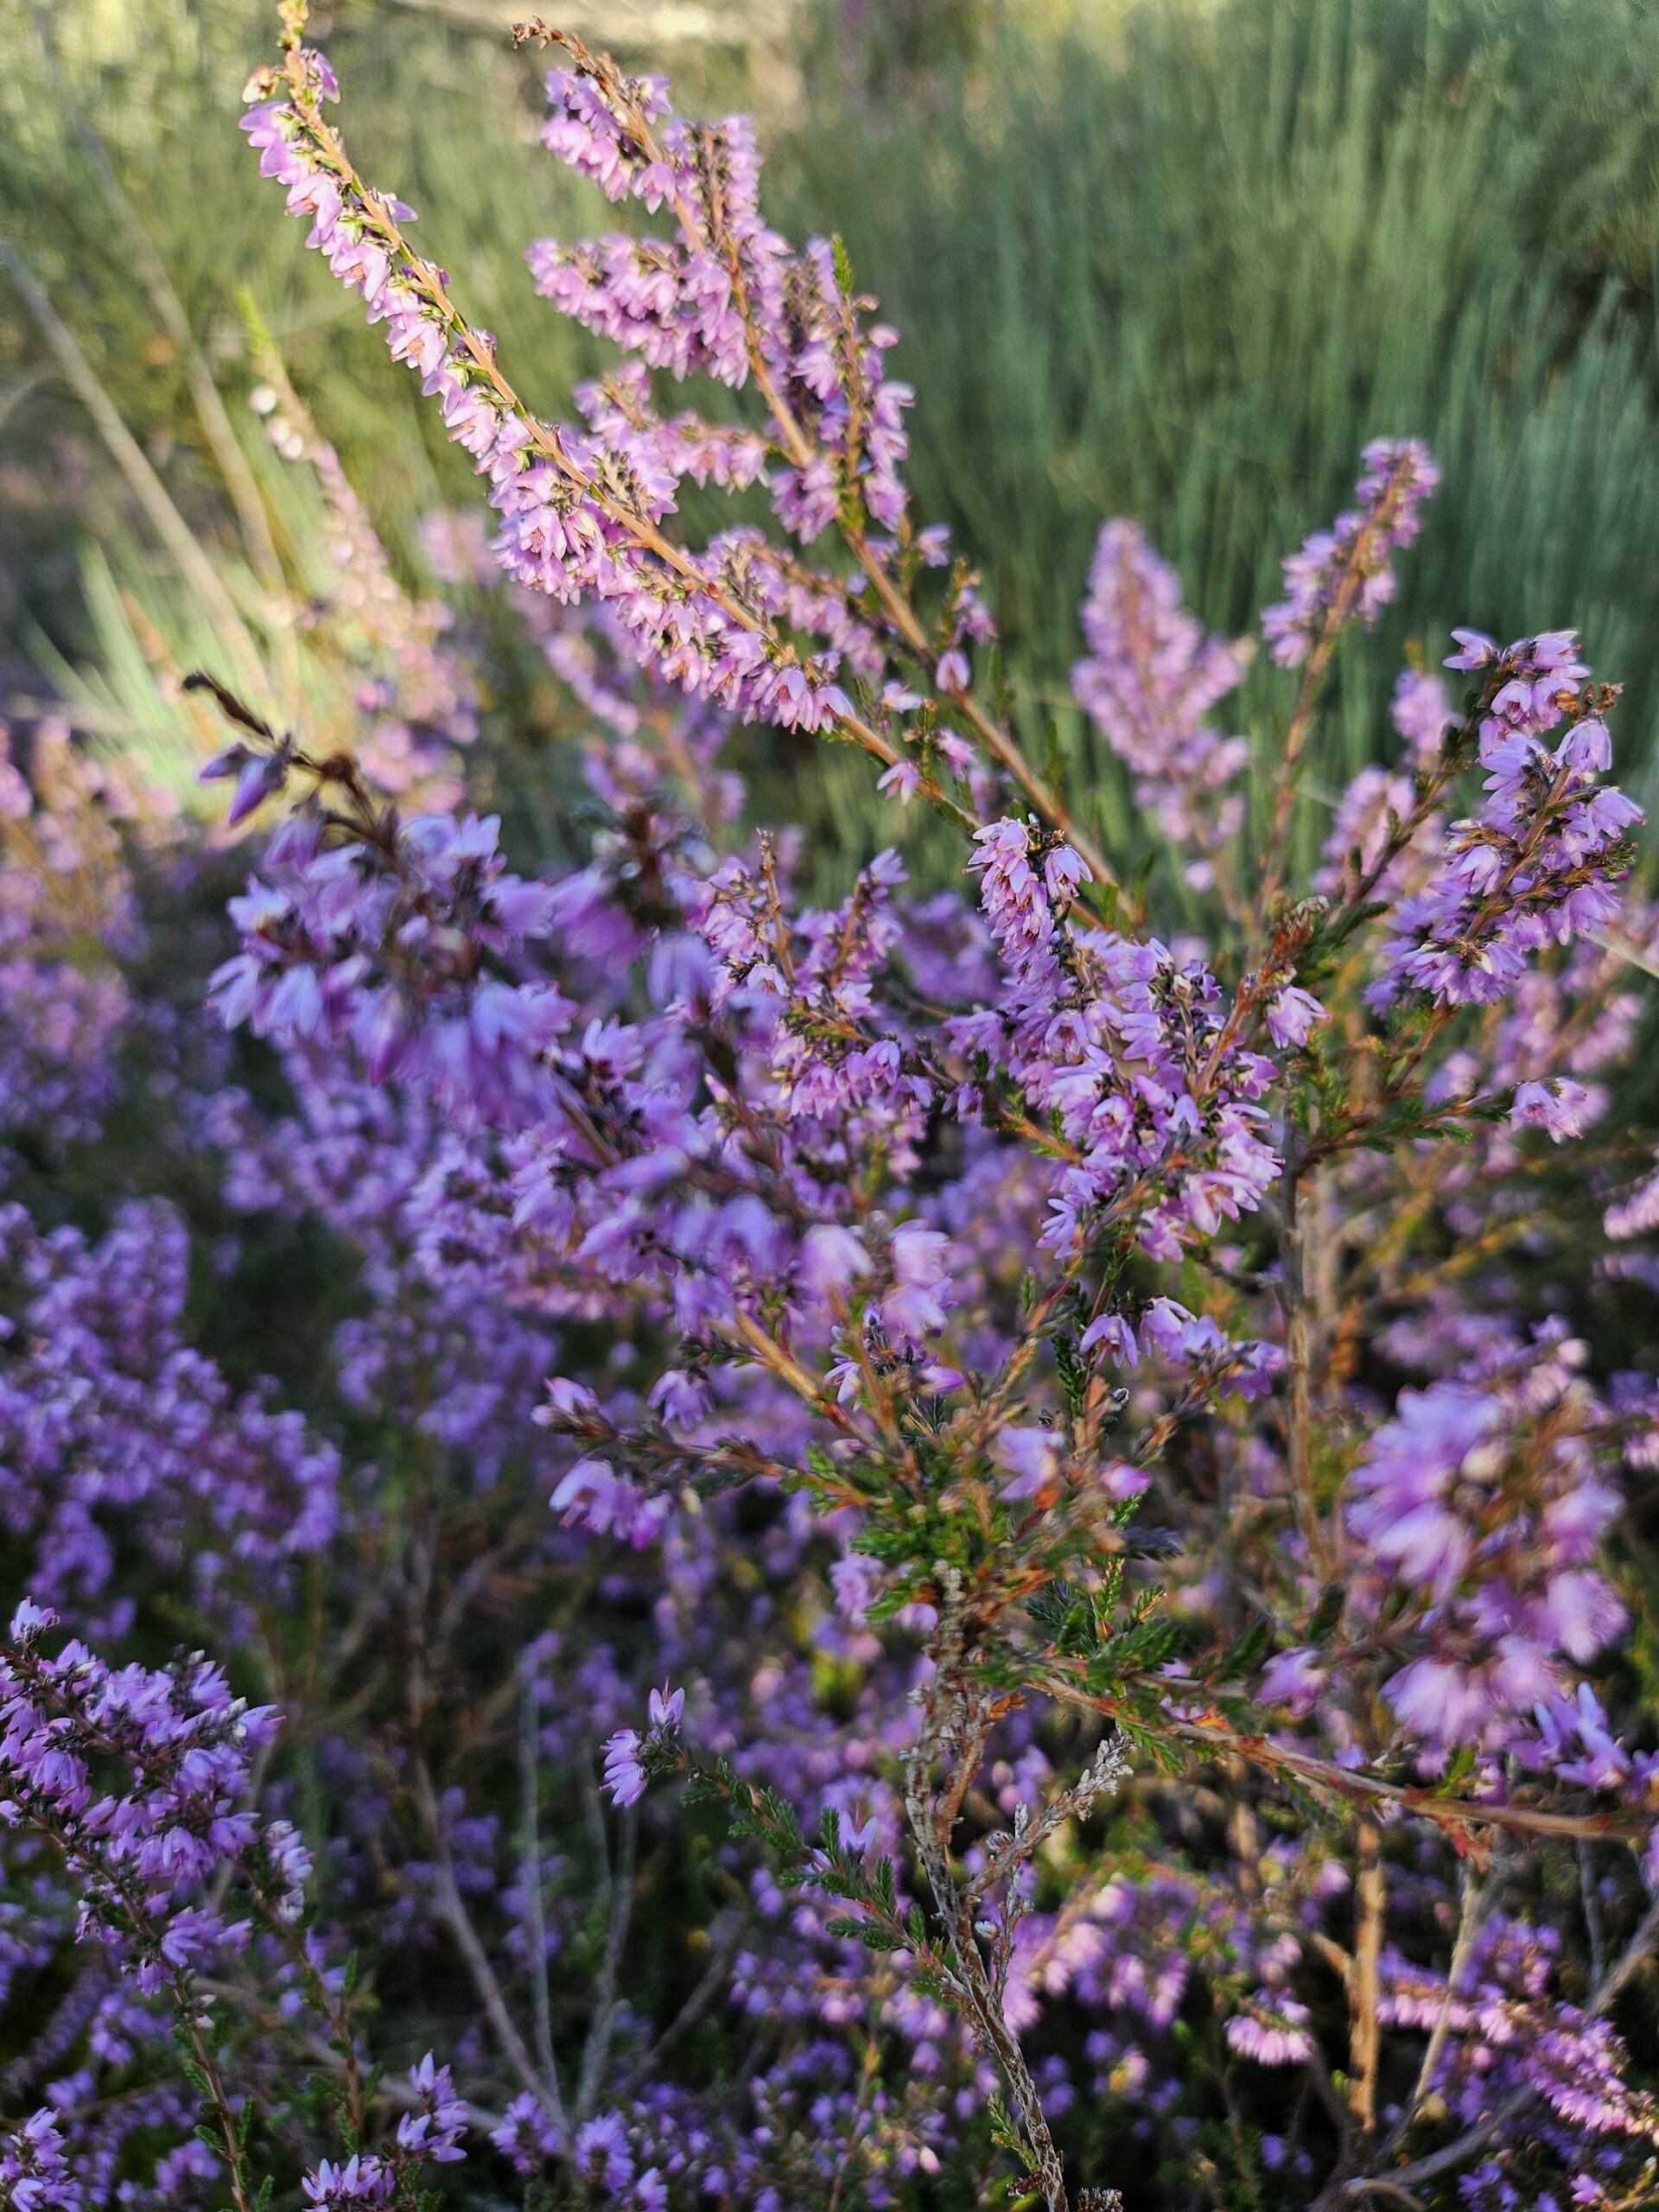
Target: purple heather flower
603,2152
1536,864
1112,1333
1401,1487
1475,649
832,1259
1291,1017
1557,1106
1033,1459
361,2179
1122,1481
1294,1678
1345,573
1272,2030
434,2131
592,1494
625,1777
666,1706
1421,710
1149,680
34,2174
1441,1701
261,778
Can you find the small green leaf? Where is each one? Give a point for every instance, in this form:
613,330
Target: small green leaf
1246,1654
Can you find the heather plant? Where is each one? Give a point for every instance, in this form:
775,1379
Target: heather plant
1176,264
966,1545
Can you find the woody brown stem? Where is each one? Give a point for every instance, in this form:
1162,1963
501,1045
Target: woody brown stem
1364,2030
953,1730
1300,1353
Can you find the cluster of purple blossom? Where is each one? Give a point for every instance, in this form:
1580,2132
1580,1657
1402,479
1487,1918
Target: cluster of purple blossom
116,1432
1535,865
65,910
581,508
1346,574
139,1857
1150,678
1083,1445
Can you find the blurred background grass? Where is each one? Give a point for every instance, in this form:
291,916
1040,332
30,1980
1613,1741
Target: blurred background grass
1173,258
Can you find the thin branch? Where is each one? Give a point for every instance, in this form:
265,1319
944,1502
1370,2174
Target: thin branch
389,2088
1315,669
452,1906
531,1882
1592,1903
1298,1355
696,2006
1472,1895
953,1725
597,2049
1104,1772
225,2119
1354,1786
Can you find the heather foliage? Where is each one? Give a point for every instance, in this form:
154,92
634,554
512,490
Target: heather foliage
979,1544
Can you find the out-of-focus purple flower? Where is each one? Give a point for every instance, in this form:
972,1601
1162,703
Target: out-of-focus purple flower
1031,1458
1346,574
1421,710
1148,682
625,1777
1273,2029
1291,1016
1294,1678
1535,864
1556,1106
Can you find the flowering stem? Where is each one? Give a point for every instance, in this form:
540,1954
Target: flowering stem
1344,598
1475,2139
206,2067
134,1922
428,281
998,741
804,454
